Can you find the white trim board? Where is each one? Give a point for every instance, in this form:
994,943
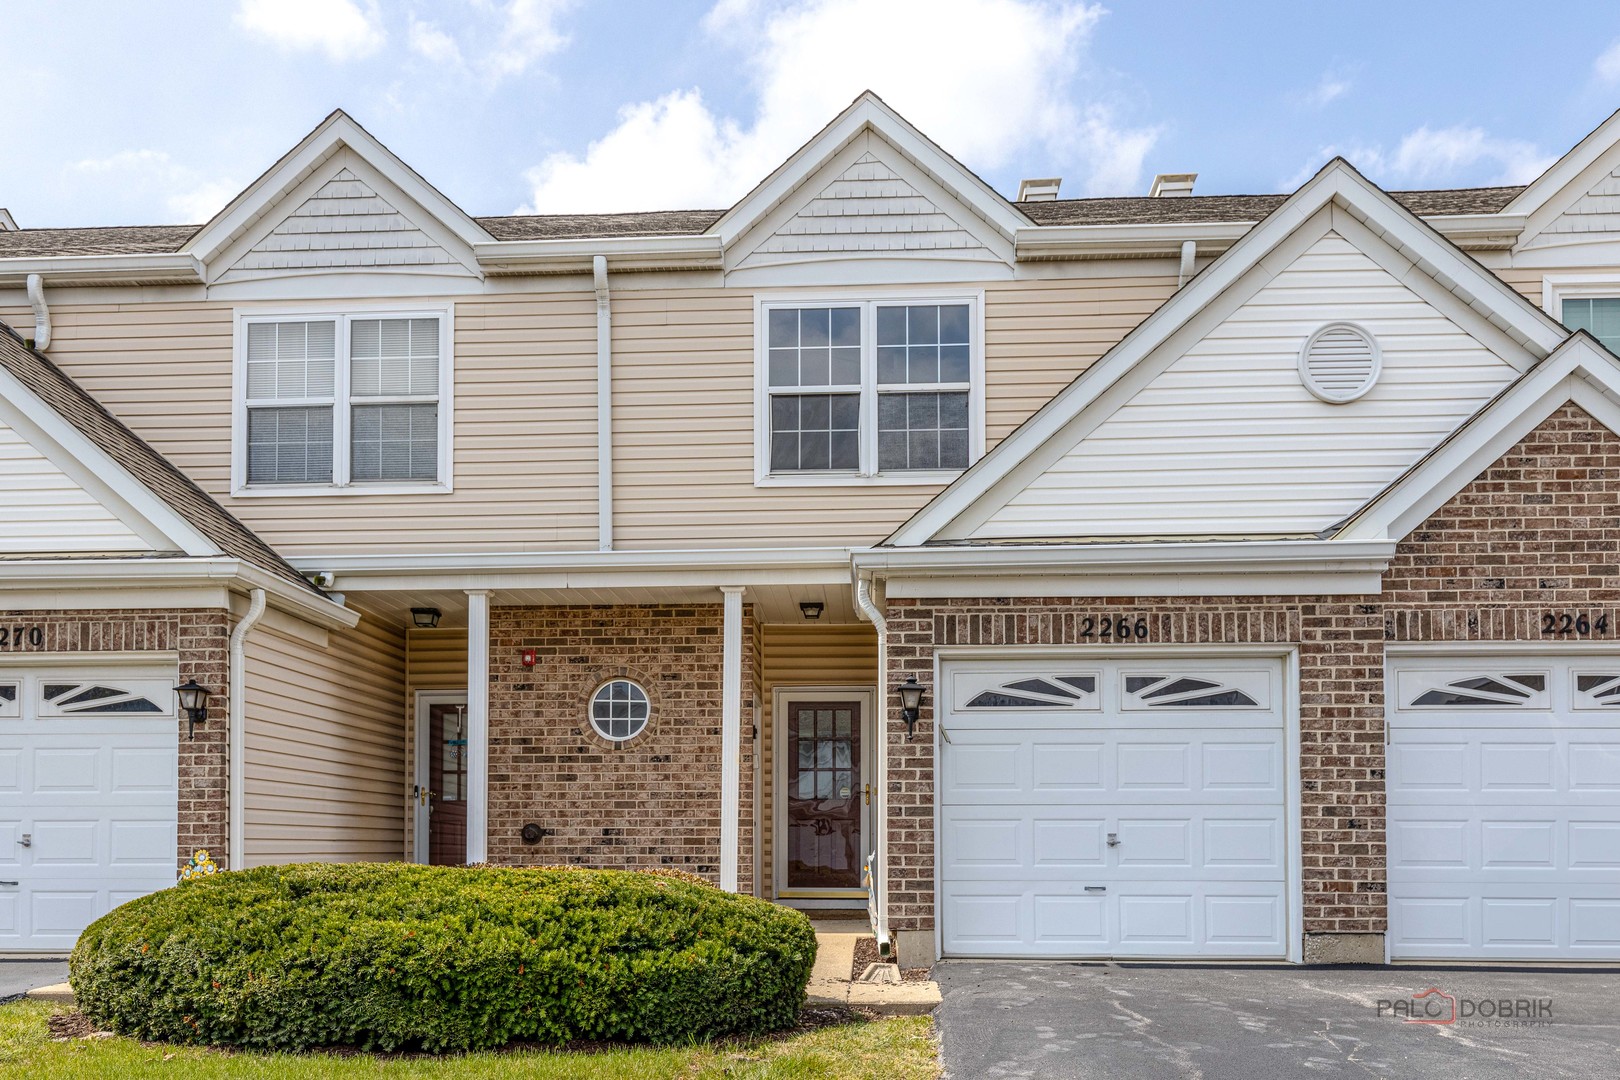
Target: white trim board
1353,205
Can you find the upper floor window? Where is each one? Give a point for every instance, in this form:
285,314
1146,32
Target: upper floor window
1598,315
342,402
881,388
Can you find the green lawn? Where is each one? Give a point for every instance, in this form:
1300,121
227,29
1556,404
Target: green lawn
898,1048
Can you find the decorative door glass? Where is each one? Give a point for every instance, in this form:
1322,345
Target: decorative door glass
825,796
447,785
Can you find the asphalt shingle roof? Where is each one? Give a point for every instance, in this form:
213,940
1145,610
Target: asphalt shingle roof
74,404
160,239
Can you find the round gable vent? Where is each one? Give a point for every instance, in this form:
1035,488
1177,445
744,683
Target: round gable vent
1339,362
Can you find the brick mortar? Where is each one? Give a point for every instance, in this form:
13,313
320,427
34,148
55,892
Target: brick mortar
1534,532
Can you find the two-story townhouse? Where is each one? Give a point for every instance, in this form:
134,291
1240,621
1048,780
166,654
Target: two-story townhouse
1247,563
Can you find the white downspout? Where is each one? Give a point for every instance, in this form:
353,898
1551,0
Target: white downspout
236,775
880,727
604,406
42,314
1189,262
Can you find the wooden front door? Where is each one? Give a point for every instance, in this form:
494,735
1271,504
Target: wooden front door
825,795
447,784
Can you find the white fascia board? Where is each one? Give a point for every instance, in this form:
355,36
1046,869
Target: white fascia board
582,569
1247,568
869,112
1479,231
1563,171
1146,239
176,268
573,256
112,576
1337,185
1581,372
331,135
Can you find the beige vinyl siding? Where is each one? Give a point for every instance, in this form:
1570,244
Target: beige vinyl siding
1228,438
48,512
836,655
1528,280
525,423
325,746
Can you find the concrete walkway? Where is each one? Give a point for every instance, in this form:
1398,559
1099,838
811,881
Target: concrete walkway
830,982
18,977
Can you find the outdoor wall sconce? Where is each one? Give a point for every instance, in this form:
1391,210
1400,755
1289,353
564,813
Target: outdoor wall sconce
425,618
911,694
811,609
194,700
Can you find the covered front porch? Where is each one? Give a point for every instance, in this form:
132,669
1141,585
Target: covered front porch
726,729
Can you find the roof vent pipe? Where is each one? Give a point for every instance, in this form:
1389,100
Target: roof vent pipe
42,314
1172,185
1043,190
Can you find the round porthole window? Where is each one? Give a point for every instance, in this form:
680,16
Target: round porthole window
1339,363
619,710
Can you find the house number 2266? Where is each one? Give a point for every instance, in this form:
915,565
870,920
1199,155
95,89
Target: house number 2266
1569,622
1114,627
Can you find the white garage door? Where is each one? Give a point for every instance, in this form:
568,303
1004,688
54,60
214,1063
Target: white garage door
88,798
1125,809
1504,808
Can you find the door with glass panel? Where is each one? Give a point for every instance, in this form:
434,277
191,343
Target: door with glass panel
440,790
826,795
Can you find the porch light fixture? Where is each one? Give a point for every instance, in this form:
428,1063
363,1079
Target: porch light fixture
811,609
425,618
194,700
911,694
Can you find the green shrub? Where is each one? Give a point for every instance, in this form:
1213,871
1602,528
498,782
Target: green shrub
397,956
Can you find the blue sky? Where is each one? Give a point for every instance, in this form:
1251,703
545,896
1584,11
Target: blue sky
123,113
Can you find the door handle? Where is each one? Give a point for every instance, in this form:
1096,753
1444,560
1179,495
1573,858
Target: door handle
1113,839
27,840
868,794
10,883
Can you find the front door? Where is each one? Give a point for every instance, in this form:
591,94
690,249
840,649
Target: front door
826,795
441,780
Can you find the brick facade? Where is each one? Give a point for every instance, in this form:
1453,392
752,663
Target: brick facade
201,639
1535,532
649,802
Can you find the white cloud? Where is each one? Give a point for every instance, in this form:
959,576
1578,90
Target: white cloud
1329,88
529,33
433,44
343,29
1435,157
987,79
1607,66
188,196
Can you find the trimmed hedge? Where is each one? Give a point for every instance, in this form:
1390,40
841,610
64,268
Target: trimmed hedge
397,956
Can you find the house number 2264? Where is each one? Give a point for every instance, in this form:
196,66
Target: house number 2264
1114,627
1569,622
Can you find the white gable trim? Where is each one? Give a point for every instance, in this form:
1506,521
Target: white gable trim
1338,196
1543,191
92,468
869,112
1582,371
336,132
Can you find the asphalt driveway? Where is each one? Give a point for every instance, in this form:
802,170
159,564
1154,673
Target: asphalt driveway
1013,1019
19,976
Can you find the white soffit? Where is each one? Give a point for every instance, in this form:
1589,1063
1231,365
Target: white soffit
337,132
1337,199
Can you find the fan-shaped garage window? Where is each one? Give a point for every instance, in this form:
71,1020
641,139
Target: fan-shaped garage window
1485,690
72,698
1339,363
619,710
1037,692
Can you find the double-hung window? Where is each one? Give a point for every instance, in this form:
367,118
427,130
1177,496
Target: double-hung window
343,402
1598,315
878,388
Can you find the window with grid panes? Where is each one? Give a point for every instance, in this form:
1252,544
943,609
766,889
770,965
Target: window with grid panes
343,400
904,368
1598,316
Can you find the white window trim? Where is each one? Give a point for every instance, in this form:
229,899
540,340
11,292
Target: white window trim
342,404
1555,289
867,300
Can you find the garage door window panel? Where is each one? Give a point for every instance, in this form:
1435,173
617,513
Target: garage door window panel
73,699
1443,690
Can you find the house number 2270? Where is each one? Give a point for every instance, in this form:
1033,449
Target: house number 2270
1569,622
1114,627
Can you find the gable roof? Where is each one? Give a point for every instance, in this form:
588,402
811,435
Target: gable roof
1563,172
337,131
1338,185
1580,370
194,522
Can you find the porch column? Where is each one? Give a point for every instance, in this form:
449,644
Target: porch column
730,735
477,725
